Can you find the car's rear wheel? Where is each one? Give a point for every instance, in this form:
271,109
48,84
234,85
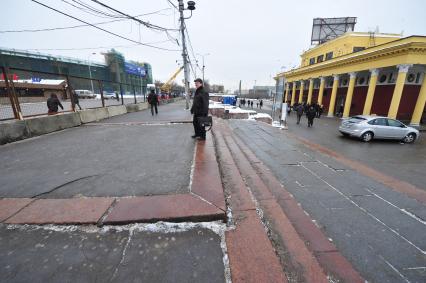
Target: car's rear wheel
367,136
409,138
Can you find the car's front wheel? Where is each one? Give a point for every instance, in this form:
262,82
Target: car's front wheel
409,138
367,136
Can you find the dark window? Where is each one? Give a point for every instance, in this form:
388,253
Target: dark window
378,122
410,78
357,49
328,55
361,80
417,78
394,123
320,58
311,61
383,78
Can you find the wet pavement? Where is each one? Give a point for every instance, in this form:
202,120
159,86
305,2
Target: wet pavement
405,162
379,230
136,253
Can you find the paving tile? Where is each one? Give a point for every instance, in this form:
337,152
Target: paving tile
207,183
251,255
183,207
9,206
63,211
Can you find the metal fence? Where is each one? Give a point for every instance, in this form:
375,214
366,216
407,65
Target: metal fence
24,93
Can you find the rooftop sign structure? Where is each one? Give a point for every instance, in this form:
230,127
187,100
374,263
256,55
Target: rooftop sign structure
325,29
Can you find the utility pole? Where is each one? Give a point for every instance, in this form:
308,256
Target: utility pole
184,52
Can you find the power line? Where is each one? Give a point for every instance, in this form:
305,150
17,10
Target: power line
107,31
91,48
171,3
148,25
78,26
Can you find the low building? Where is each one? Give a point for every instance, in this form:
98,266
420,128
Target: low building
362,73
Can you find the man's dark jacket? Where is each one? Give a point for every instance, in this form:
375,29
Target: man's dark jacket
152,98
200,106
53,103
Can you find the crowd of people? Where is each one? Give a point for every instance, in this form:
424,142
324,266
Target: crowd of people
312,111
250,103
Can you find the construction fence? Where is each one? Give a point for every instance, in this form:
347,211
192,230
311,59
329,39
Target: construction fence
24,93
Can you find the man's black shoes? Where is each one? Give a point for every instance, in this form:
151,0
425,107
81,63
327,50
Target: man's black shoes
194,136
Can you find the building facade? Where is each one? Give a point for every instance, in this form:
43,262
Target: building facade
362,73
134,76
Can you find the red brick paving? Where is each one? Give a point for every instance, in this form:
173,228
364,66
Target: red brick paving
251,255
62,211
289,220
10,206
166,208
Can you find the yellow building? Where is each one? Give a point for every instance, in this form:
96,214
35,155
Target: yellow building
363,73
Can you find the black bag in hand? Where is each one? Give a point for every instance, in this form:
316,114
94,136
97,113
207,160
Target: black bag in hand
205,121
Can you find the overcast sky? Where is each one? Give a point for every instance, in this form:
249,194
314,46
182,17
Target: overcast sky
247,40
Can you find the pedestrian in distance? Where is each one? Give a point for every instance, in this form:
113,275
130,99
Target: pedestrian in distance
311,116
200,108
251,104
76,100
257,104
261,103
52,104
320,110
153,101
299,111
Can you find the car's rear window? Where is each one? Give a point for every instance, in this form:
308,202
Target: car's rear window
356,119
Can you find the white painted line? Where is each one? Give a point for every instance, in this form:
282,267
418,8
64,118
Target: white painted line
368,213
415,268
394,269
397,207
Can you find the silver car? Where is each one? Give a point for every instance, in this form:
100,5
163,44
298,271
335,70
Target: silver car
368,127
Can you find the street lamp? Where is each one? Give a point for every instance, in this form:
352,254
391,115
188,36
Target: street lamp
203,55
190,7
254,89
90,72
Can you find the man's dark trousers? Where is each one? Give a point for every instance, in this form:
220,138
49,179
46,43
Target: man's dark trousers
200,131
152,108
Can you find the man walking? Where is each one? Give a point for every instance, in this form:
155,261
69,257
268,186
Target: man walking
311,115
200,108
52,104
153,101
299,111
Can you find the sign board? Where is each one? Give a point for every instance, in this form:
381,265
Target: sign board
325,29
134,69
35,79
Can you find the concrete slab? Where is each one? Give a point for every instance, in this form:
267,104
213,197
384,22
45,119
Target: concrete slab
9,207
99,161
65,211
91,115
14,130
175,208
48,124
116,110
126,254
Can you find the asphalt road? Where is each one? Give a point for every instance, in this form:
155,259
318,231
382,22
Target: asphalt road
380,231
112,158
